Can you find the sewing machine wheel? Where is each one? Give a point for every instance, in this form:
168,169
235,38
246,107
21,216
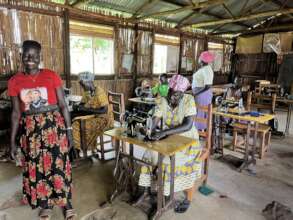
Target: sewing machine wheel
218,100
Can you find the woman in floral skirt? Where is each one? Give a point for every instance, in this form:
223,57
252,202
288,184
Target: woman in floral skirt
41,124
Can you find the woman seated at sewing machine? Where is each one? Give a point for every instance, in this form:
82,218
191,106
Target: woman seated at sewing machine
176,111
234,93
94,102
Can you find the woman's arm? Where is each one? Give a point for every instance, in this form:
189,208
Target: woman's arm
198,90
15,116
101,110
185,126
65,113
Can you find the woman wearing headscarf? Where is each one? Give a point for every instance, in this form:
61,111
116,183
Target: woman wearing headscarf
45,135
202,80
176,112
94,103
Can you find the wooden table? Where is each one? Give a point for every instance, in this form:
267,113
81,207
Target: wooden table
288,102
166,147
252,122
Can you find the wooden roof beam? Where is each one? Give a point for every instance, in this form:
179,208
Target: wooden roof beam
228,10
241,18
281,5
187,18
184,8
200,12
287,27
77,3
143,7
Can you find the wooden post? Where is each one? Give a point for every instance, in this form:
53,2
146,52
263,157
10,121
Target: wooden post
66,47
135,56
152,53
180,53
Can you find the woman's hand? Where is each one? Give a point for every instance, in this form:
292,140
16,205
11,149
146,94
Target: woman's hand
13,151
70,139
158,136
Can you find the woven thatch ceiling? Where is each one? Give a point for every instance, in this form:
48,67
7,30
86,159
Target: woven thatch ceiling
215,16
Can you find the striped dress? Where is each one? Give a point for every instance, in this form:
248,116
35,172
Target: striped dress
187,163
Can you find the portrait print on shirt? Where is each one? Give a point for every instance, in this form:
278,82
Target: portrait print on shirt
34,98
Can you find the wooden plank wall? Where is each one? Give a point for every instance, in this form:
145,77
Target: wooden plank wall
251,67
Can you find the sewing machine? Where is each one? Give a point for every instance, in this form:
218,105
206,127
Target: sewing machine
225,104
138,123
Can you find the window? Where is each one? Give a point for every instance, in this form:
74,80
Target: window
166,54
91,49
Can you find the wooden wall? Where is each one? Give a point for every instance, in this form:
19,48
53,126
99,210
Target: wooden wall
251,67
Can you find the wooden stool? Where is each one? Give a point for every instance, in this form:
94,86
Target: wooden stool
264,133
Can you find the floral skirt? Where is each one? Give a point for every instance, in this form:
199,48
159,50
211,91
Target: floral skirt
47,179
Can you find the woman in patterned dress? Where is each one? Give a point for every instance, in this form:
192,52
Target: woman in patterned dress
176,111
45,135
94,102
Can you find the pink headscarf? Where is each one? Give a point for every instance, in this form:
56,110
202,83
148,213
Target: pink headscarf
207,57
179,83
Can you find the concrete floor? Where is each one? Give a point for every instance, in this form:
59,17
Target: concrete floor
237,196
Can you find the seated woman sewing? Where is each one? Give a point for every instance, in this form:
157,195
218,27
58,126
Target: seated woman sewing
94,110
176,111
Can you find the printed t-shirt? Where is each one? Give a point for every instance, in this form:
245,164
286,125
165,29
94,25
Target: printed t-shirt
35,91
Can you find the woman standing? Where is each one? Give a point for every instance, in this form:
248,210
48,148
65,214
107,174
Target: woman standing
45,134
202,80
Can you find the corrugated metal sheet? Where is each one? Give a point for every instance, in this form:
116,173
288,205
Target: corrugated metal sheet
209,14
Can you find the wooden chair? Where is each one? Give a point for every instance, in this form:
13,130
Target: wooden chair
205,154
117,106
264,131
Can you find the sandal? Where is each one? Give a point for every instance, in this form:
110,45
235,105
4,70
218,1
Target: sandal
181,207
45,214
69,214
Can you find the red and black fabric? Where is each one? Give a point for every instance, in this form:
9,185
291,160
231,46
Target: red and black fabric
47,178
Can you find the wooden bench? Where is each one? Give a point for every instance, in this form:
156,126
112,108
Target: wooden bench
264,132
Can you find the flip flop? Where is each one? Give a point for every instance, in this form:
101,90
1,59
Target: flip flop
69,214
181,207
45,214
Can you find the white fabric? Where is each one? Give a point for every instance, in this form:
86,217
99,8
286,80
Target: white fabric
204,76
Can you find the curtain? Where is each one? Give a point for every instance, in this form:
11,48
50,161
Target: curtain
125,40
144,53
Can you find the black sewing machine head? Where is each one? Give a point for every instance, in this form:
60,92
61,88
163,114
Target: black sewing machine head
135,120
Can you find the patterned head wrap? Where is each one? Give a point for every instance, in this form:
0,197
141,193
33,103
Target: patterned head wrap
179,83
86,76
207,57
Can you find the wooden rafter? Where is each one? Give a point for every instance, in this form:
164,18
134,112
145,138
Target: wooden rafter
279,28
241,18
228,10
77,2
198,12
217,28
244,7
281,5
184,8
144,6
